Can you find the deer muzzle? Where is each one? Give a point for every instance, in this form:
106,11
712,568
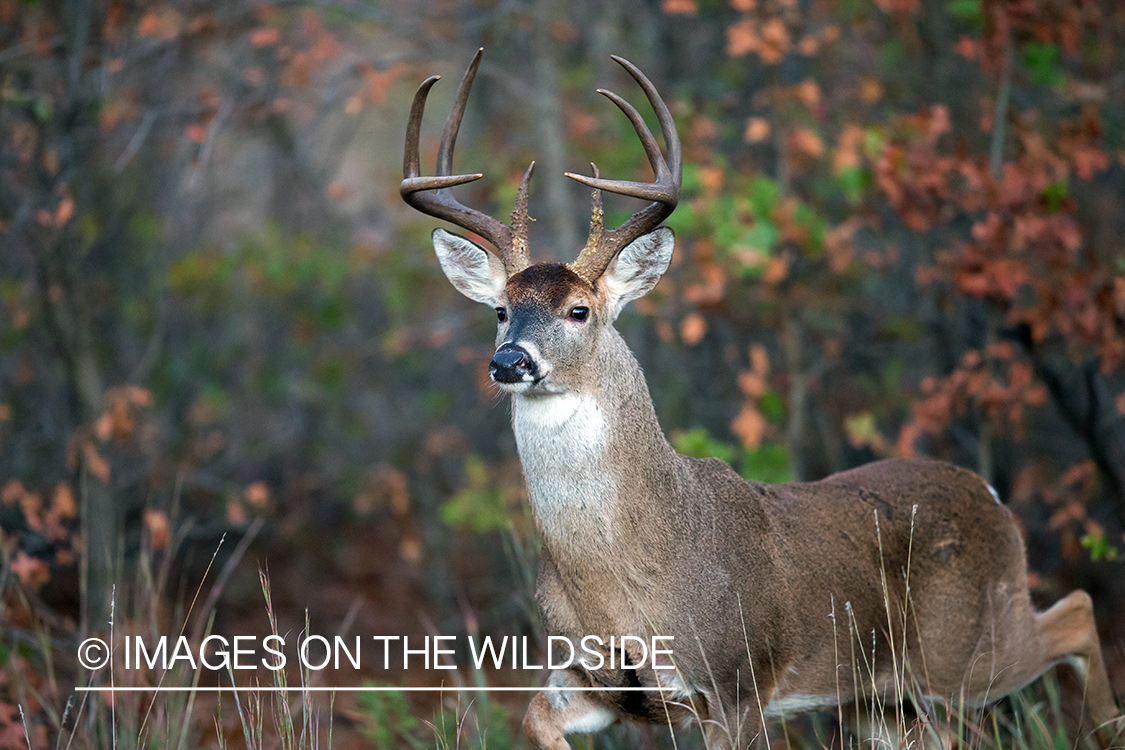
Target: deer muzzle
512,364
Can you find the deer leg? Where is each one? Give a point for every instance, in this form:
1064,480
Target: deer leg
556,713
1069,634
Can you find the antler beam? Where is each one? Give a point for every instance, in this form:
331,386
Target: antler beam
603,246
509,240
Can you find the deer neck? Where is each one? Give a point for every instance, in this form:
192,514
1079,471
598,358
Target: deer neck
584,451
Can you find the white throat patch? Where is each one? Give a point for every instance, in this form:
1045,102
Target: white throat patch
561,439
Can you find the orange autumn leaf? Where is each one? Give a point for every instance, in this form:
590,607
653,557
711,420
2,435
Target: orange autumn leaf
742,38
939,121
870,90
749,426
103,427
197,133
848,145
759,359
808,92
31,505
31,571
65,504
236,513
65,211
377,83
966,47
752,384
776,270
156,524
775,41
757,130
693,329
1079,472
137,396
808,45
338,191
907,436
161,22
12,492
711,179
679,7
264,37
95,463
807,142
257,494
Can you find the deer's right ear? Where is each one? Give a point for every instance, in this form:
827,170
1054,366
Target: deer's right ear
473,271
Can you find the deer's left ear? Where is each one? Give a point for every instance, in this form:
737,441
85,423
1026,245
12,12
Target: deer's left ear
637,268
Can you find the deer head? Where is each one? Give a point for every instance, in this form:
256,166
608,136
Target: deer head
550,315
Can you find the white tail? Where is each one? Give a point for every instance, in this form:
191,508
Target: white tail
900,579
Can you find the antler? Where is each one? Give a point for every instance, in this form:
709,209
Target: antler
510,240
602,246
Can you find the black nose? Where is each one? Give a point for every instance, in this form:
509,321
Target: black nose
510,364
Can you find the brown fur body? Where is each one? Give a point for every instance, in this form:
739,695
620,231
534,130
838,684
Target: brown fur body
777,591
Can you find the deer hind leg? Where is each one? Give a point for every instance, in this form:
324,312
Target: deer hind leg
556,713
1068,633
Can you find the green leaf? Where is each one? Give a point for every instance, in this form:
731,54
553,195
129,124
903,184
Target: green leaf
853,181
772,406
968,10
807,217
1042,60
764,194
385,717
762,236
145,227
481,506
698,443
1099,547
768,463
1055,194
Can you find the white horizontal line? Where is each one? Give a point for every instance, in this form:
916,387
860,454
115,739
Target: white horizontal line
364,689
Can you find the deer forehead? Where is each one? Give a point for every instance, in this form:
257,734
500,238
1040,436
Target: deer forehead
547,284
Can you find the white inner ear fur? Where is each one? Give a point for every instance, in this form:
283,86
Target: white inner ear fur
473,271
637,268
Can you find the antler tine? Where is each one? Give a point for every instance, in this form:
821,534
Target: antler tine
442,204
456,114
663,190
659,189
411,170
597,213
520,256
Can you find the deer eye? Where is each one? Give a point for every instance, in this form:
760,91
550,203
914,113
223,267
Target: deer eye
580,314
501,314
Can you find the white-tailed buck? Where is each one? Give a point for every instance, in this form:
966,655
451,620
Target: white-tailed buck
902,580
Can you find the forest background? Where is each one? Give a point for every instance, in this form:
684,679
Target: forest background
226,345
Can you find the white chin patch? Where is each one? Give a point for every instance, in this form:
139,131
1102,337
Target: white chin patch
532,387
523,387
